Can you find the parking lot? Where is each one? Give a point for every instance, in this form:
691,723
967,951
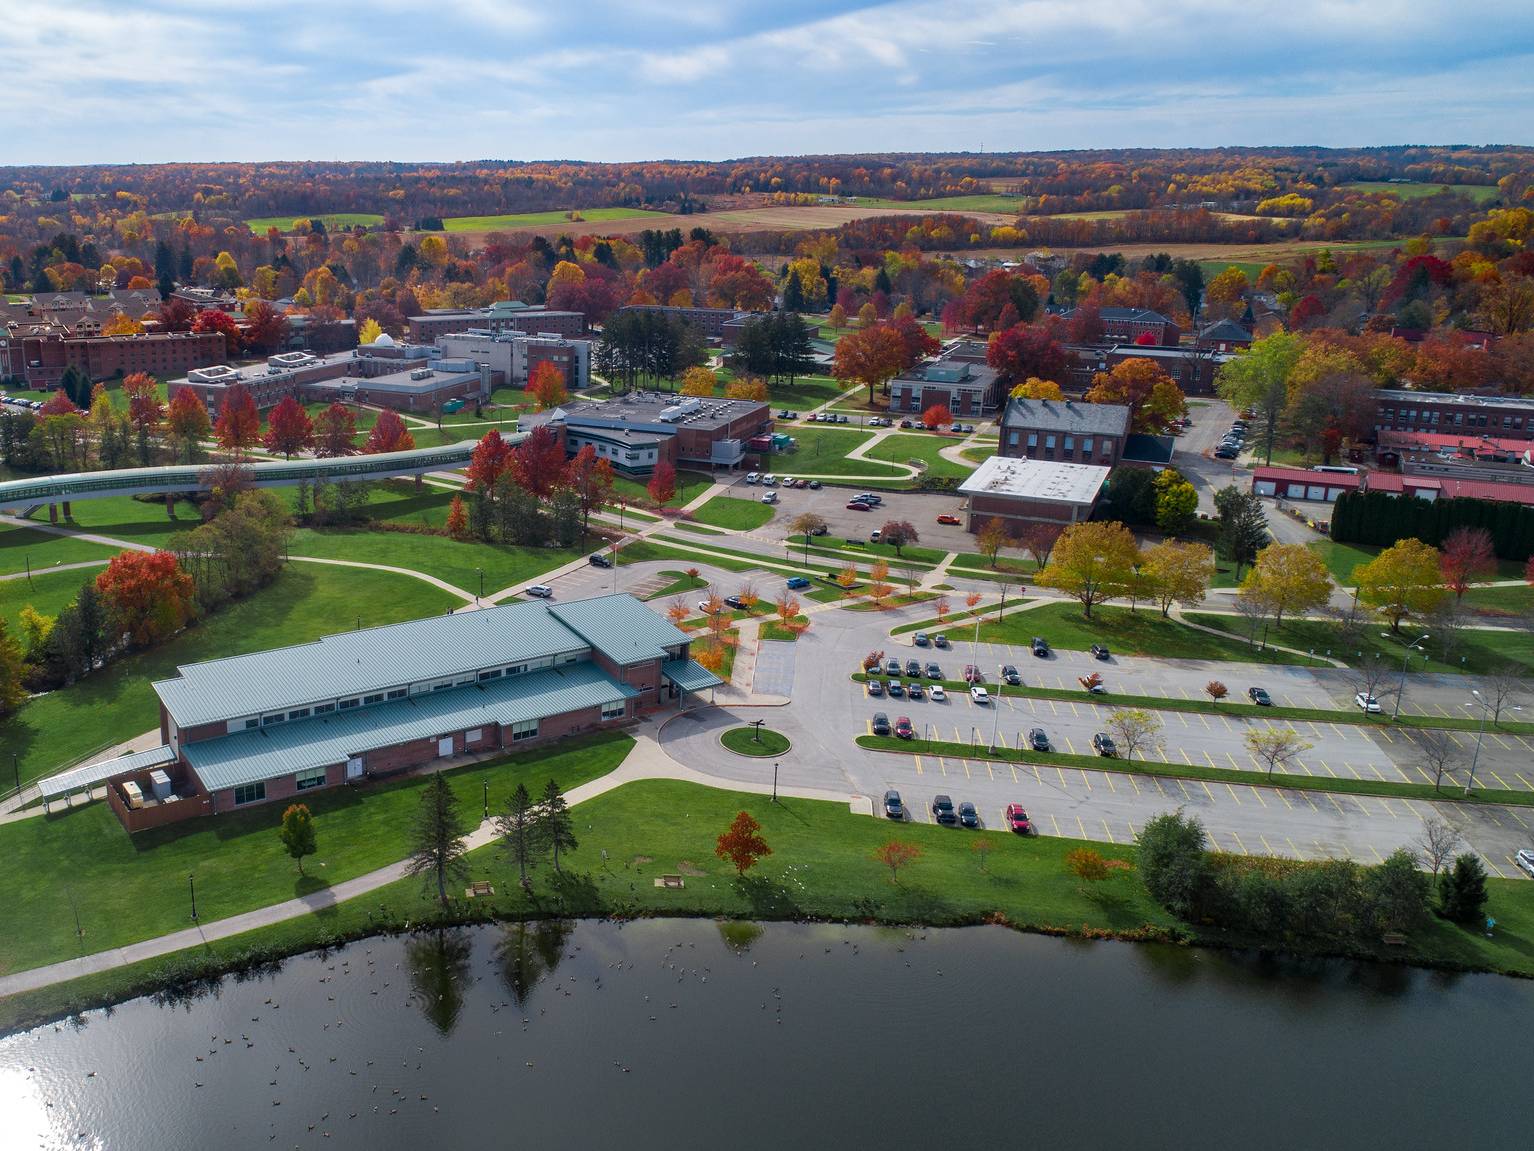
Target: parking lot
920,508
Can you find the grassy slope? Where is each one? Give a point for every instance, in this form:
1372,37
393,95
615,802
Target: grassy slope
333,220
823,451
48,593
458,562
20,547
1480,193
978,202
904,449
729,512
303,603
237,858
539,219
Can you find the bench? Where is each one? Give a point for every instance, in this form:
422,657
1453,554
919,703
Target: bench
1393,939
669,881
477,888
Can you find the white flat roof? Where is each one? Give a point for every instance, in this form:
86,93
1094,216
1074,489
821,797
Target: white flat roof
1050,480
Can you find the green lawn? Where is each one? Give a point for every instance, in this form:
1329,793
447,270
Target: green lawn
680,582
977,202
748,741
1500,601
1342,558
84,855
729,512
641,550
831,545
49,593
305,602
135,521
926,448
24,548
1143,632
688,486
333,220
803,393
1478,651
1480,193
458,562
541,219
823,451
1016,565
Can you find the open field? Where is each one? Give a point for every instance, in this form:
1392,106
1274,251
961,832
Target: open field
303,603
29,548
1480,193
1217,256
333,220
559,218
823,451
729,512
457,562
902,449
48,593
980,202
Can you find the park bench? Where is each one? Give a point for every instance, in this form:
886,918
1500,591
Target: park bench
1393,939
477,888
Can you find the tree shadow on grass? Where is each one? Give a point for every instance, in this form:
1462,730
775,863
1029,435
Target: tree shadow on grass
576,892
767,898
307,884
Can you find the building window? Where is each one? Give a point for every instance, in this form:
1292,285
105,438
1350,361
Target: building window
250,723
305,780
1012,439
1070,443
1049,443
250,793
397,693
324,708
299,713
493,673
1086,447
527,729
347,703
377,697
1033,439
266,720
614,710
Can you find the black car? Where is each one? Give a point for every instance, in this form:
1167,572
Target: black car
1040,647
1010,675
1038,739
1103,744
598,560
814,485
1100,651
1226,453
940,640
1260,696
913,669
943,812
881,723
968,816
734,601
934,672
919,639
893,807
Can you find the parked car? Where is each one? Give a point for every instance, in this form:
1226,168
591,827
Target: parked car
1040,646
1038,739
1225,453
1103,744
819,530
734,601
857,506
871,498
1017,819
881,723
1524,858
943,812
1260,696
949,518
796,583
753,477
892,666
914,689
919,639
813,417
1100,651
968,816
903,727
936,693
841,419
913,669
1367,702
895,688
876,688
707,609
1010,674
894,808
940,640
934,672
814,485
599,560
541,590
769,497
875,536
979,695
907,424
770,480
972,674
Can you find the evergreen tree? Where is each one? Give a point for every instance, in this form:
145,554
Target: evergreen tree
1462,890
1243,526
555,824
518,827
164,269
565,517
437,838
793,294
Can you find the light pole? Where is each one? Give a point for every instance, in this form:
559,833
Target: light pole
774,781
191,882
1001,683
1480,735
481,572
486,782
1405,658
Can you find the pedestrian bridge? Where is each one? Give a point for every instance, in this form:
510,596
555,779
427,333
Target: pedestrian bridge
15,494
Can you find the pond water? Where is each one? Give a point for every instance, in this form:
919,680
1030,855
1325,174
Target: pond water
667,1034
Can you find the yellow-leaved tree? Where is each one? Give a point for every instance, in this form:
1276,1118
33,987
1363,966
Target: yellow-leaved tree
1092,562
1401,581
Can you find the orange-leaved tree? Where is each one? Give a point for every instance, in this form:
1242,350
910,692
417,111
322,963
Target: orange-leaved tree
742,843
148,596
188,422
457,518
937,416
289,428
389,434
547,386
870,357
239,423
896,854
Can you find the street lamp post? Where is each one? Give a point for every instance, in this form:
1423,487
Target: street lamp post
774,781
486,782
191,882
1405,658
481,595
1480,735
1001,683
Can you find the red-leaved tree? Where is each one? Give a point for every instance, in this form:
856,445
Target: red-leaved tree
937,416
188,421
214,320
662,485
592,481
289,428
491,458
538,462
239,423
335,432
389,434
148,596
1467,555
457,518
742,843
1024,351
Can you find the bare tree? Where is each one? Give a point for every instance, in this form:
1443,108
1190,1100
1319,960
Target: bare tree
1135,729
1439,754
1447,624
1497,688
1039,540
1438,842
1254,610
1278,747
1375,677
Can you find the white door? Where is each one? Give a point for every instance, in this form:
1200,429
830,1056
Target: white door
354,767
445,746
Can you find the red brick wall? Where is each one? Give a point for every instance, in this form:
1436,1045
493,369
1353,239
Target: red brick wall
645,677
198,732
1016,513
194,802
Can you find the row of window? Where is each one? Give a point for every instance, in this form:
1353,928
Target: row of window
1432,416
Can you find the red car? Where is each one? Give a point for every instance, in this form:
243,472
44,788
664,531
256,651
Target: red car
903,727
857,506
948,518
1017,819
972,674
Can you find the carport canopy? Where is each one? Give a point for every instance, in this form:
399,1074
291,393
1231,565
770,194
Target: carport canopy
87,776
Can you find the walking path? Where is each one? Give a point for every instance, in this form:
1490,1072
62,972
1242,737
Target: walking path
55,568
647,761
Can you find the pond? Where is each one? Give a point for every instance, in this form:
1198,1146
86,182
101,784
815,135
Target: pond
667,1034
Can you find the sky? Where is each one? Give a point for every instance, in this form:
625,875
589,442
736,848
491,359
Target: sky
103,81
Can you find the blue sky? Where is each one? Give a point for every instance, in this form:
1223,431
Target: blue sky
155,80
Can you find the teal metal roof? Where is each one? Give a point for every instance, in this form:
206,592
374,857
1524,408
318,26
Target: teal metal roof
689,674
79,778
371,660
285,748
620,627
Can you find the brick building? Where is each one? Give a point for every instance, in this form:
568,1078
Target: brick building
641,429
1191,369
1224,336
503,316
365,705
711,323
40,359
1129,324
1071,431
517,355
1446,413
1020,492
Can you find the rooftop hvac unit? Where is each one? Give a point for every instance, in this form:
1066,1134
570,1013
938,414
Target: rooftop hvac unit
421,374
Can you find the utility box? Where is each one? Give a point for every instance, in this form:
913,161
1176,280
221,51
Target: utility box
159,783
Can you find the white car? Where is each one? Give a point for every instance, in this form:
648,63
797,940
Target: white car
703,606
753,477
769,497
769,479
541,590
1525,861
937,694
979,694
1367,702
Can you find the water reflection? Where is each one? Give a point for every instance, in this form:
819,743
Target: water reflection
439,973
739,935
526,953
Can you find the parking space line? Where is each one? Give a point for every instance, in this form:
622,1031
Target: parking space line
1060,679
1212,763
1500,780
1455,737
1204,721
1162,790
1161,751
1257,791
1338,806
1385,803
1233,762
1388,737
1061,774
1361,805
917,758
1527,746
1293,849
1109,832
991,771
1328,767
1515,815
1500,873
1305,795
1378,858
942,766
1069,744
1266,846
1133,834
1054,823
1053,708
1233,794
1136,783
966,769
1083,828
1239,844
1505,745
1185,793
1075,711
1014,773
1523,781
1186,756
1213,842
1037,778
1113,787
1283,797
1207,792
1290,702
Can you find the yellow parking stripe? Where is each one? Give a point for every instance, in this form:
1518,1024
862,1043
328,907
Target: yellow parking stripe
1108,775
1378,858
1069,744
1207,792
1212,763
1283,797
1186,756
1293,850
1328,768
1185,793
1061,774
1523,781
917,758
1133,834
1335,804
1516,816
1054,823
1505,745
1233,762
1014,774
1239,844
1233,794
1204,721
1499,779
1258,793
1136,783
1266,846
1109,832
1083,828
